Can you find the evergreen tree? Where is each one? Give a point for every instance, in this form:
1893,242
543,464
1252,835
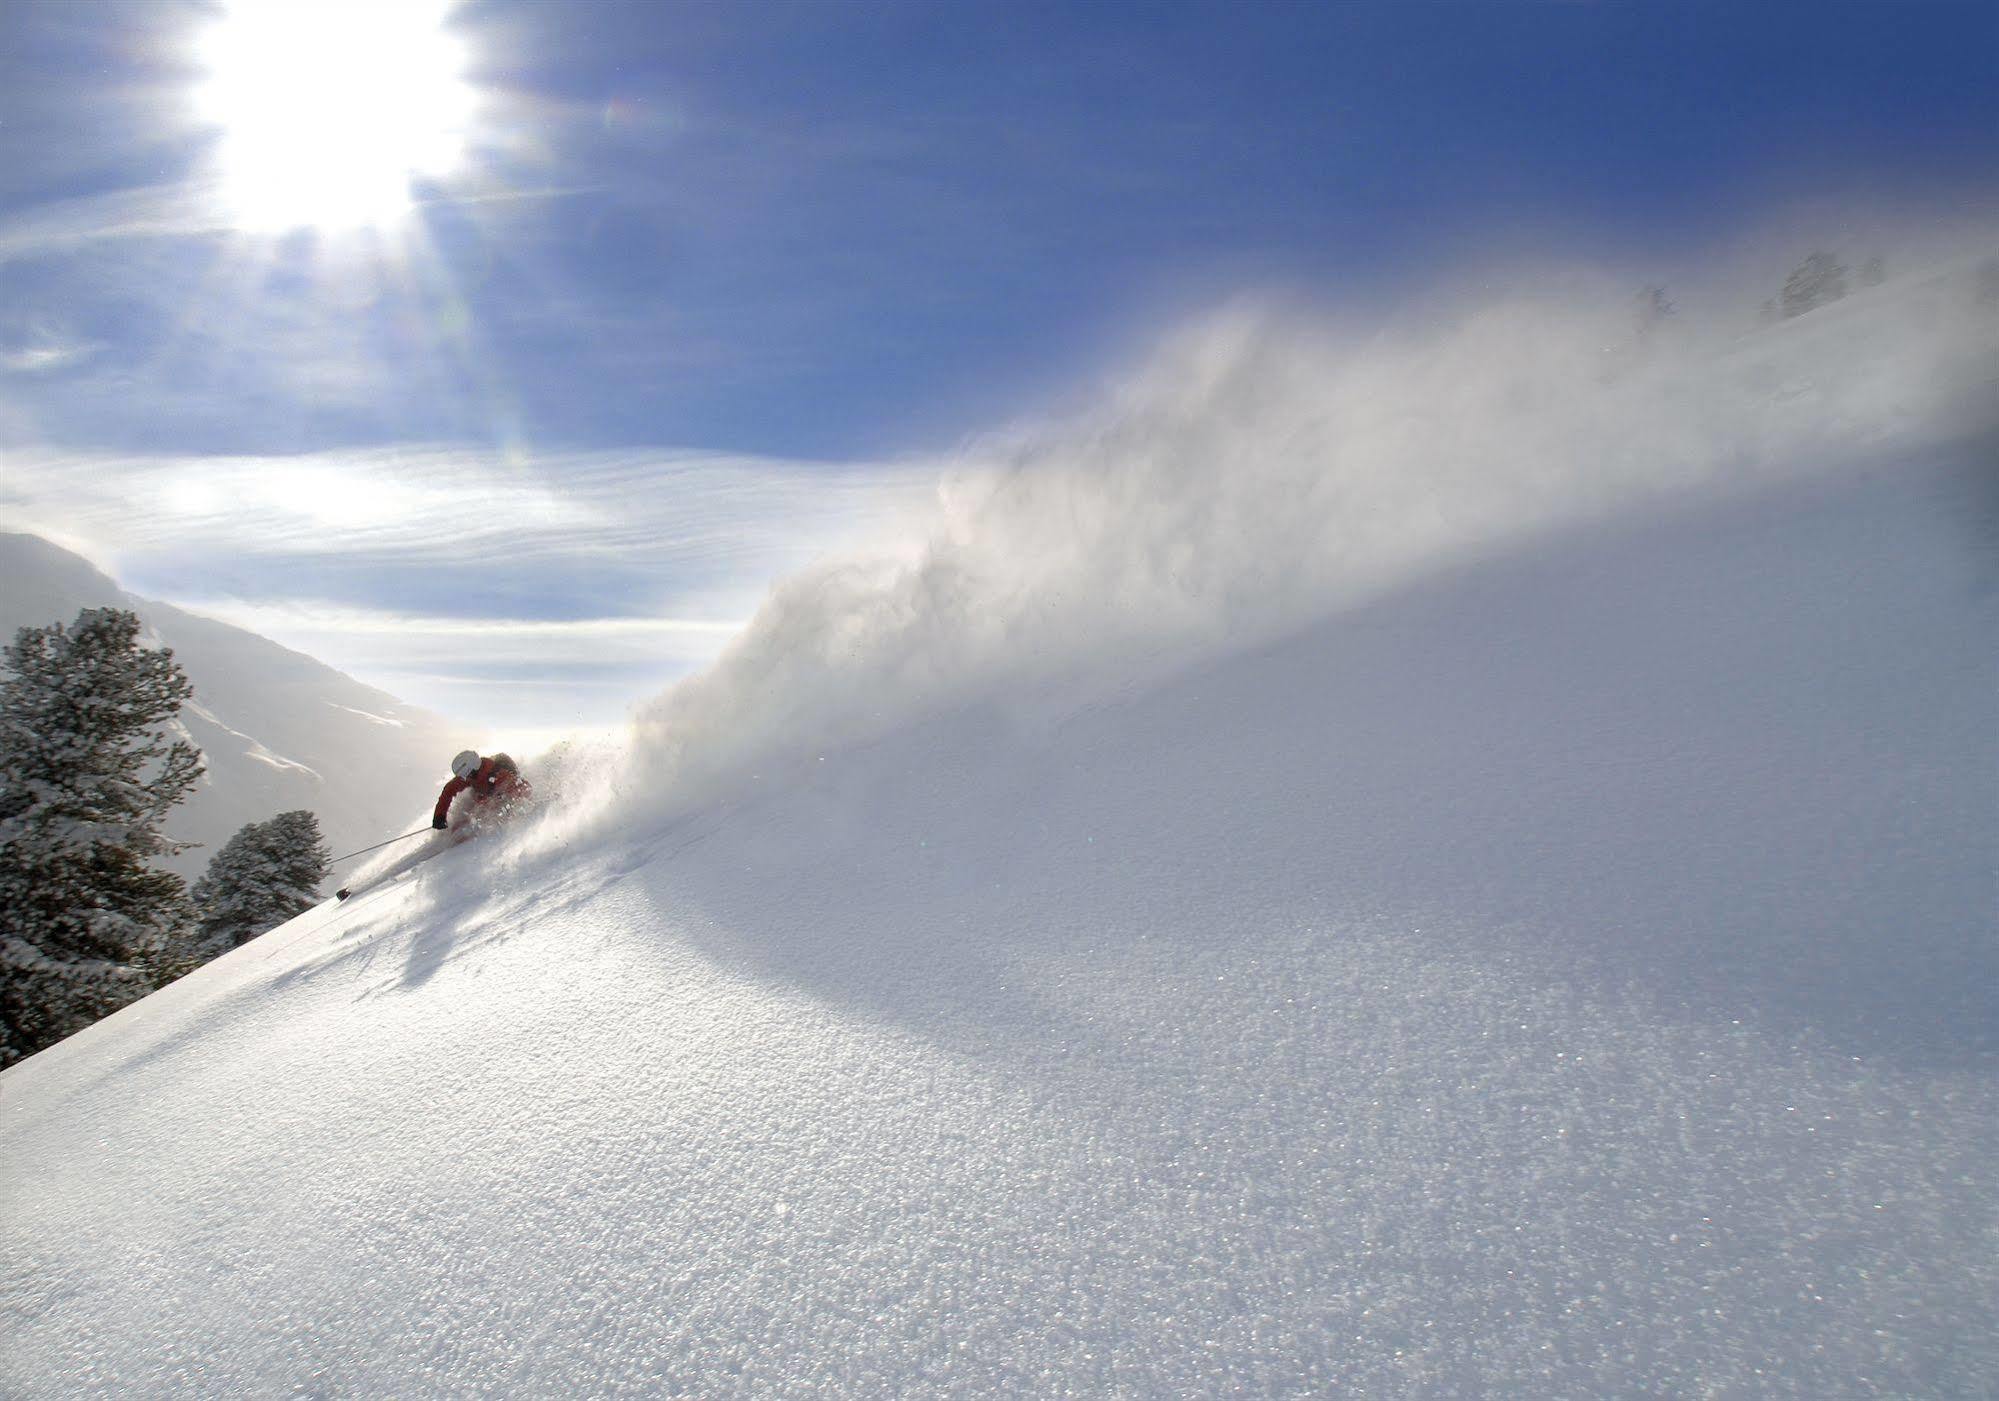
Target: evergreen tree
1819,279
87,776
262,876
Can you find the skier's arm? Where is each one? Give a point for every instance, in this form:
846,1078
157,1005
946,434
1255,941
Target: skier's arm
452,789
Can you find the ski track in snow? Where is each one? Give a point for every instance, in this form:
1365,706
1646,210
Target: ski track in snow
368,715
1570,975
253,748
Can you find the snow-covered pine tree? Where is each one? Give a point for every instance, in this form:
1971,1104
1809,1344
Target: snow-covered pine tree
87,775
262,876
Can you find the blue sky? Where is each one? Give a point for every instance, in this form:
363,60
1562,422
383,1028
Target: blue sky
734,276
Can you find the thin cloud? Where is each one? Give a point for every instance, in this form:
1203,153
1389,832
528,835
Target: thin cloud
447,508
44,357
526,645
148,211
437,571
363,622
565,673
188,210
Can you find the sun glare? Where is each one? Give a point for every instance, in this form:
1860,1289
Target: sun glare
328,109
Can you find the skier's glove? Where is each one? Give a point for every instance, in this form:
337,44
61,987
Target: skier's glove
438,823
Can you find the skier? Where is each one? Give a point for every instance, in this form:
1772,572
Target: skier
496,780
498,791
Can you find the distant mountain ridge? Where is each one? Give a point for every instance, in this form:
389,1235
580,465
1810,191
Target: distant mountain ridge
279,729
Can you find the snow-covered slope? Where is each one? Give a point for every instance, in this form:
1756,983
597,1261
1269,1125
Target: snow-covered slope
1565,967
278,730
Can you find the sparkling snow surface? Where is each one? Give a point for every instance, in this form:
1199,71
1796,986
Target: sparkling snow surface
1572,973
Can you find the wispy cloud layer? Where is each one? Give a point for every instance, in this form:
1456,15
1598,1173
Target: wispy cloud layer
497,590
152,211
42,357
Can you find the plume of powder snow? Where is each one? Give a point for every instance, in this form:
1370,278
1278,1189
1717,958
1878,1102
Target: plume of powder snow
1266,468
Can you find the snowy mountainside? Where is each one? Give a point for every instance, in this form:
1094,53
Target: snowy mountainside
1562,966
278,730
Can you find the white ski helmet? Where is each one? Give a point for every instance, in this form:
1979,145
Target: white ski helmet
466,764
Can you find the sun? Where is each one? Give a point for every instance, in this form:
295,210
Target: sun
328,109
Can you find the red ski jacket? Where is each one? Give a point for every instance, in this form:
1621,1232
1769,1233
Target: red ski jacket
497,778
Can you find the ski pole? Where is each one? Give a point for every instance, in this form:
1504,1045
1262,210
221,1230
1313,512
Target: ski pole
377,846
